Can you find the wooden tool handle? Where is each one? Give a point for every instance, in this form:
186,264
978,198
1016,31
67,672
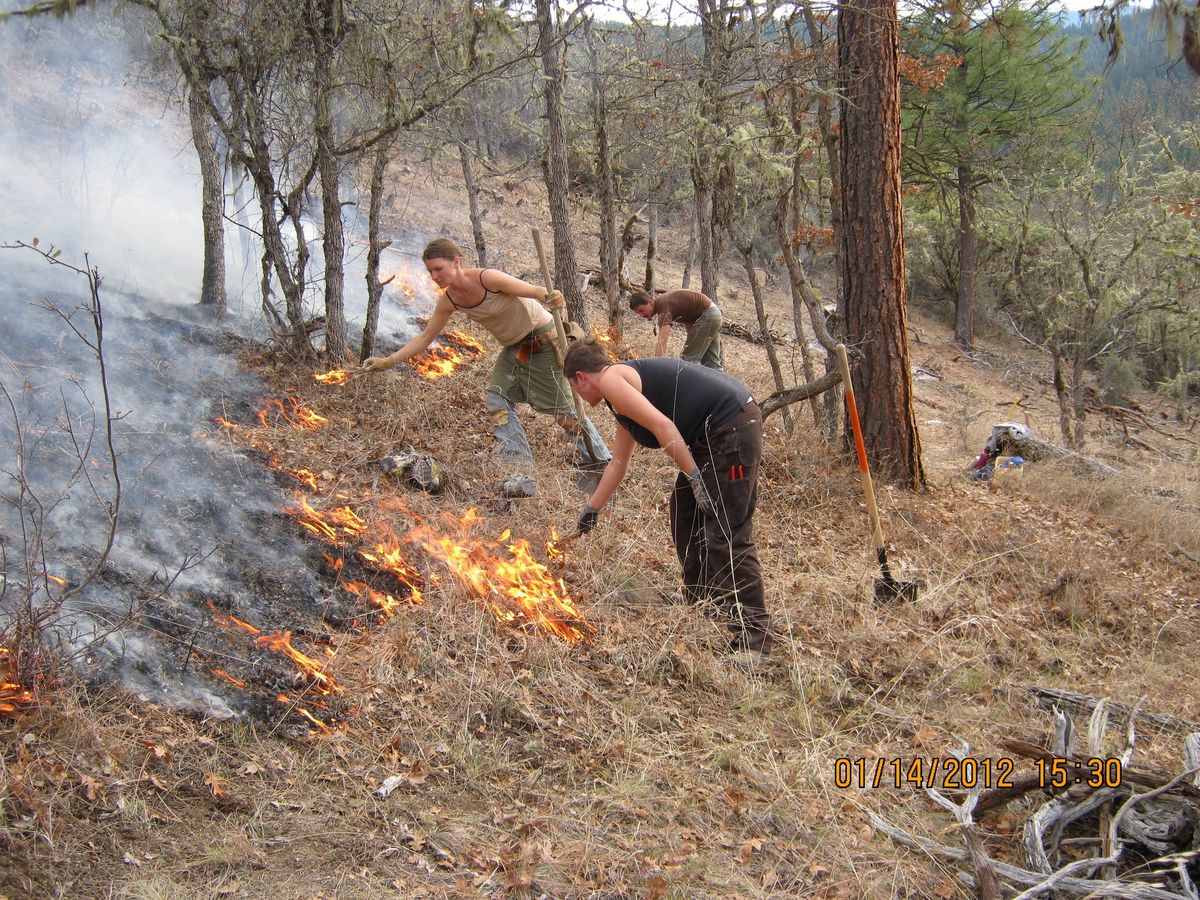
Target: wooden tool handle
863,468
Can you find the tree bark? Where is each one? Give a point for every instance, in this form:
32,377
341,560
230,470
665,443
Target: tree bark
746,249
464,156
691,251
651,244
704,234
610,271
212,204
565,267
873,237
968,256
375,248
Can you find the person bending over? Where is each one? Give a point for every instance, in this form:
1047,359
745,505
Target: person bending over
710,426
699,315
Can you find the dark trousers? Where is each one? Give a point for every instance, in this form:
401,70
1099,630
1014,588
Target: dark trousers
718,556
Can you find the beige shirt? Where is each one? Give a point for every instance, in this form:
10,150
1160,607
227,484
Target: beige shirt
507,317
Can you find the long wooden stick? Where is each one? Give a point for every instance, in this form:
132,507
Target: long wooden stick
560,344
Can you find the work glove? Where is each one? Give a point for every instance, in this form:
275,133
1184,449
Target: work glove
377,363
704,499
587,518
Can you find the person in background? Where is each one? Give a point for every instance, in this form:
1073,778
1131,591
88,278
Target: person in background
527,369
710,426
699,315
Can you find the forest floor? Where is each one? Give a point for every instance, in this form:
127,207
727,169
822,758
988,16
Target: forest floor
635,763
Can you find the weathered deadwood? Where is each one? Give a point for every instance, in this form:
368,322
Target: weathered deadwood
1081,704
1017,875
752,335
780,399
1078,765
1090,865
1036,450
985,868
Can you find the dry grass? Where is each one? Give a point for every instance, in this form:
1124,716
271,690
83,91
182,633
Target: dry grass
637,764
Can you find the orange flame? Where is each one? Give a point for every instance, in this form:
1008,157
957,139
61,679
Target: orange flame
337,376
225,423
298,416
61,582
442,359
518,589
14,698
334,526
281,642
236,682
608,340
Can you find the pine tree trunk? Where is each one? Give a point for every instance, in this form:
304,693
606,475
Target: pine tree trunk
565,267
873,237
212,206
968,256
473,204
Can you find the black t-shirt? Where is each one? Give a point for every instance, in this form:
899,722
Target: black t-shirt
692,396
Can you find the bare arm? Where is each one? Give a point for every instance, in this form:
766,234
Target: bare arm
495,280
664,331
437,321
614,472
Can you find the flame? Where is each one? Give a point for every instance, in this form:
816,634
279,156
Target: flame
298,416
337,376
14,698
517,589
61,582
225,423
442,359
292,704
334,526
281,642
236,682
608,340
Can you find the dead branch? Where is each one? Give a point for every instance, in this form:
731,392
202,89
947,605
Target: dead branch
780,399
1079,704
1078,765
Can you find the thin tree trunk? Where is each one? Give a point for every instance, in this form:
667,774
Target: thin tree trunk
968,254
324,29
708,264
610,271
747,251
651,244
468,169
873,236
802,297
566,270
1063,397
375,248
691,250
212,204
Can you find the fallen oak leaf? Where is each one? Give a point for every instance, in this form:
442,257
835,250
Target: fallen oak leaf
216,784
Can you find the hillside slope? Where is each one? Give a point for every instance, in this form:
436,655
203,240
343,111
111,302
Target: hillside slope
633,763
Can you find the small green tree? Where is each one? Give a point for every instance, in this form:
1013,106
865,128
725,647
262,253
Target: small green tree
1012,80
